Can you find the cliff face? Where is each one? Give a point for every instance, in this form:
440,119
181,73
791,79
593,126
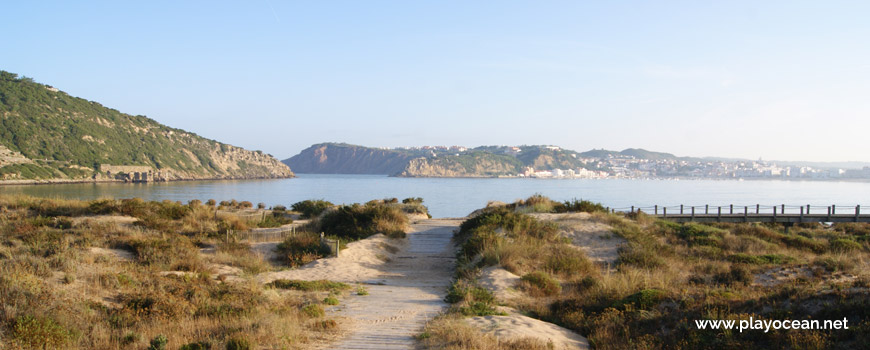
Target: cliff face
484,161
348,159
478,164
46,134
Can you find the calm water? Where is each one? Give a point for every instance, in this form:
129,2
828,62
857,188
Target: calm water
458,197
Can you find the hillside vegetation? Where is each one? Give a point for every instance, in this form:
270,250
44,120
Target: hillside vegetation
667,276
484,161
48,134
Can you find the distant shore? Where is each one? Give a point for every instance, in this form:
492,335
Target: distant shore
107,181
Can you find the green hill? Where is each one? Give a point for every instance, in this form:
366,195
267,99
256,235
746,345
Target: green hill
48,134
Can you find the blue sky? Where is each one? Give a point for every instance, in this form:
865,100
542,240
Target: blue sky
772,79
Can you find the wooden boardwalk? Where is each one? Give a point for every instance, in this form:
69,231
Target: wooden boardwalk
774,214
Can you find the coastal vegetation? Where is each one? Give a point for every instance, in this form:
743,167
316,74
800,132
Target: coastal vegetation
134,274
48,134
345,223
666,276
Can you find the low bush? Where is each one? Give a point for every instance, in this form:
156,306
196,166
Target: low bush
567,261
200,345
844,245
471,300
276,219
301,248
584,206
311,208
38,333
313,310
330,301
320,285
354,222
239,344
642,300
158,343
541,284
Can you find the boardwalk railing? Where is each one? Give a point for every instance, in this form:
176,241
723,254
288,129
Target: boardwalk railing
788,214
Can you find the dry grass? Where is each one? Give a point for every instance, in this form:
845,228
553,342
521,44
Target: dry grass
668,275
451,333
56,292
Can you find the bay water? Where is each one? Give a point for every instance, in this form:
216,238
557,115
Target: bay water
456,197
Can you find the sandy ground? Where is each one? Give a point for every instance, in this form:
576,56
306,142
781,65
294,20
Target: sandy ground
408,291
360,262
500,282
519,326
594,238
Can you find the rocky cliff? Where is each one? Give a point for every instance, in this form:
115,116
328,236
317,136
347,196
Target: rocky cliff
334,158
46,134
479,164
455,161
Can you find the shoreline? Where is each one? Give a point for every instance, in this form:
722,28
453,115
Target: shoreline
852,180
94,181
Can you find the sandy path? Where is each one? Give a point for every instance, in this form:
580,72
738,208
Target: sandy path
409,291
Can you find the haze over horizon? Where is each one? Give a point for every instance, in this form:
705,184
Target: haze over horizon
777,80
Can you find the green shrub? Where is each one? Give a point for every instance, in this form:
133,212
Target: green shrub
472,300
698,234
583,206
330,301
843,245
804,243
412,200
277,219
239,344
360,290
201,345
301,248
311,208
541,284
158,343
354,222
835,264
320,285
643,300
38,333
640,255
567,260
313,310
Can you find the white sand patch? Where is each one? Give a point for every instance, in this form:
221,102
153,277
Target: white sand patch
266,250
594,238
359,262
519,326
118,253
500,282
